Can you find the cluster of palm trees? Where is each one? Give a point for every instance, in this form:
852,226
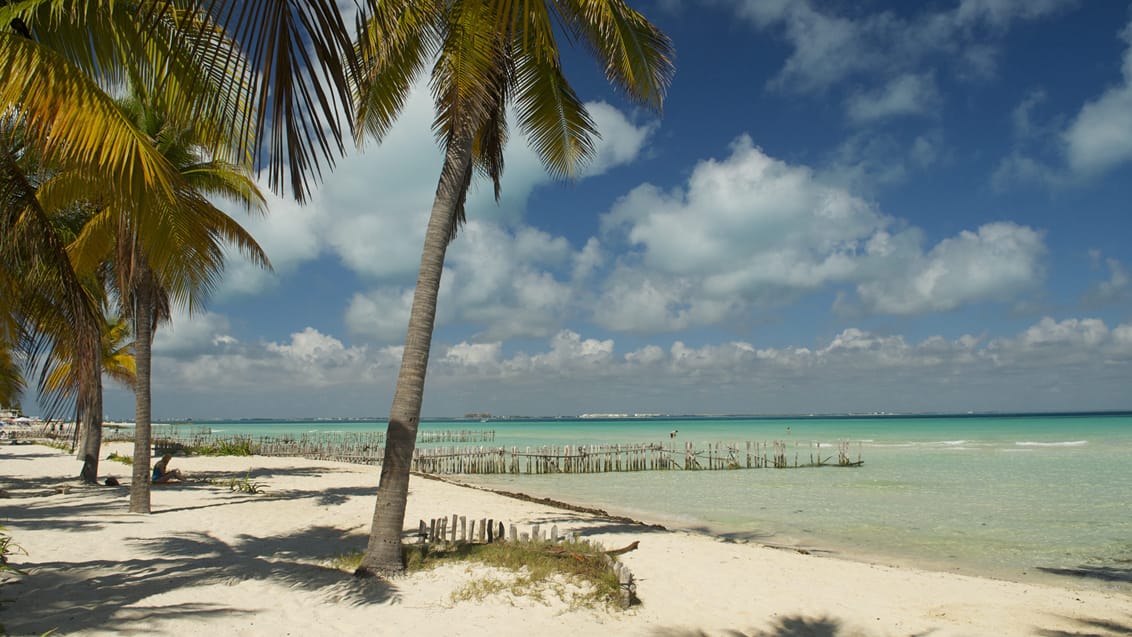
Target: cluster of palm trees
123,120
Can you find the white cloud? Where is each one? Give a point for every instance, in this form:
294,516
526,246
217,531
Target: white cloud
382,314
1117,287
829,48
998,262
290,234
372,209
1100,136
906,94
186,335
869,159
312,373
751,232
1097,139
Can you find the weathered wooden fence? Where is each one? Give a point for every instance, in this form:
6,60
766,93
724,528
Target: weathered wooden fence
632,457
360,447
458,529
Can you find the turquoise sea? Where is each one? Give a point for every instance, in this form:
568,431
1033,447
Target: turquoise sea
1021,497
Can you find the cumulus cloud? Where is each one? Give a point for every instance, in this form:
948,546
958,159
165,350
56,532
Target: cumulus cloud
750,231
1100,136
1096,140
187,335
854,370
999,261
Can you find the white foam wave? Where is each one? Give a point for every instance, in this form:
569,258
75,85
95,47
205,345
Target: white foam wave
1069,443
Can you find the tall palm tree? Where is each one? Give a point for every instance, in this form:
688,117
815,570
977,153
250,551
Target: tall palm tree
62,376
186,268
488,54
48,300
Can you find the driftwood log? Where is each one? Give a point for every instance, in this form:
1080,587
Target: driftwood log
624,549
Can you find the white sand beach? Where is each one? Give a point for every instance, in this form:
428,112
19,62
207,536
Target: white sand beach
211,561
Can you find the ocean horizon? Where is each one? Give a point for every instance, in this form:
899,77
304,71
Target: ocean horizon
1026,497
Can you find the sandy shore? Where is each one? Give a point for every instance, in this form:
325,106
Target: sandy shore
217,562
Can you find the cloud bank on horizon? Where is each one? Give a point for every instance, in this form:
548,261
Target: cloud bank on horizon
892,209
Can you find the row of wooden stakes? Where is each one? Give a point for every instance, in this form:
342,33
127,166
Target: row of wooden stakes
632,457
487,530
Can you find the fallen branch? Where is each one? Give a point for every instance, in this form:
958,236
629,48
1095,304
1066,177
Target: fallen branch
624,549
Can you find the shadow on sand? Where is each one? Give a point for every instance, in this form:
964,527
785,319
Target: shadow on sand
1103,573
67,596
796,626
1091,628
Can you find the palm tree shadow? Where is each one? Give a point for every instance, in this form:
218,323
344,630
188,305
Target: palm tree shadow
796,626
68,596
1094,628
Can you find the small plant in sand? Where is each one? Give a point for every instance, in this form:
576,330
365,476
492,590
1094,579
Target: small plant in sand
576,572
8,548
244,485
116,457
227,447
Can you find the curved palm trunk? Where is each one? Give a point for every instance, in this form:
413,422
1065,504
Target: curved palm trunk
143,342
383,553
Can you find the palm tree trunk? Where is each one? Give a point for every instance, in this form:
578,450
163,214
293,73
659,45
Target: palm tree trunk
143,347
383,553
91,420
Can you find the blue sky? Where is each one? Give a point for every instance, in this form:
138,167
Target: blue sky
845,207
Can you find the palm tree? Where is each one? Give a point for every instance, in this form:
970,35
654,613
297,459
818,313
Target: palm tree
61,374
488,54
272,74
47,301
185,268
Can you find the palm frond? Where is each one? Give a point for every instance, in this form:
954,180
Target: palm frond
394,43
554,119
299,57
637,56
464,77
76,124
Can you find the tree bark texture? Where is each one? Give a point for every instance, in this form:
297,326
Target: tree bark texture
143,341
90,416
383,553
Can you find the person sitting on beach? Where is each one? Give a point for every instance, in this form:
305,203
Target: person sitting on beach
162,473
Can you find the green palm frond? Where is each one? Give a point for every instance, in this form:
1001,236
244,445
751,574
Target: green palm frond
61,375
299,56
638,57
222,179
464,78
394,44
554,119
76,124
